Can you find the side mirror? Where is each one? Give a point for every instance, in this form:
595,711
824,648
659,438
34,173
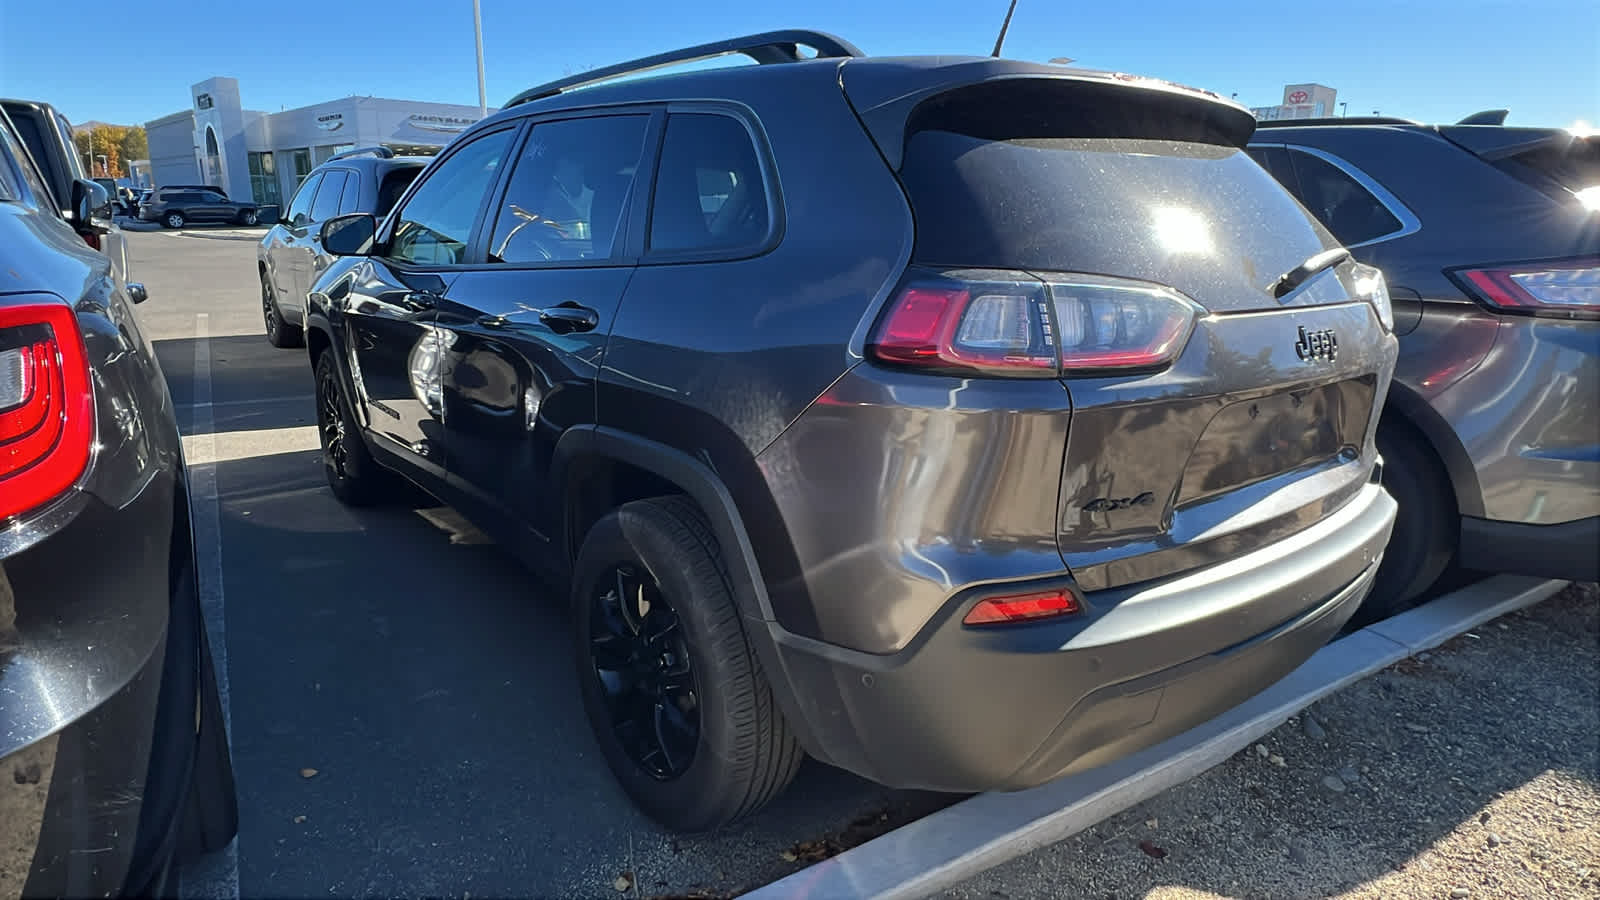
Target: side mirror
91,207
349,235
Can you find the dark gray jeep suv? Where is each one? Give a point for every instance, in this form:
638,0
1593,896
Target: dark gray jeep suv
960,422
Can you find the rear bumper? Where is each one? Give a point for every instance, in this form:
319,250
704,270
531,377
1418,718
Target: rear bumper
964,709
1566,551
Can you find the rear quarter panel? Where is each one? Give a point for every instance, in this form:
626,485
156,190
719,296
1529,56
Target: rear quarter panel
716,359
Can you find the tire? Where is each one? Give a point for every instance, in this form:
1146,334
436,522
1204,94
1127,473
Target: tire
173,220
248,217
279,332
743,753
1425,528
353,475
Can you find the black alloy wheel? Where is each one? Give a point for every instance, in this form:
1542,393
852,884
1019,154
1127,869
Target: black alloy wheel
642,663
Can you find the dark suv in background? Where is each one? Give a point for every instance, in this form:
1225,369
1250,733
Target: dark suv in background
175,207
290,255
960,422
1490,239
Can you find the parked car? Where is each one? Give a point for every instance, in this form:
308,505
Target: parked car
959,422
111,732
47,139
1491,434
290,256
176,207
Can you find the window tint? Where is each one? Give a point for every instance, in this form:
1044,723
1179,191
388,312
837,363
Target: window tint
326,206
436,223
1345,207
709,194
350,200
211,197
394,184
300,207
569,191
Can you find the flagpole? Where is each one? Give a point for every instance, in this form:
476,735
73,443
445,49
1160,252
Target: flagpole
477,28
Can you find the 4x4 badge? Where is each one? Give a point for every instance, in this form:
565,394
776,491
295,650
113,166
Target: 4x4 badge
1322,344
1106,504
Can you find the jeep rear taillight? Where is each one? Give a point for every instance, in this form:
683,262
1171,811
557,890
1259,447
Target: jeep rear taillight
1564,288
1014,324
46,405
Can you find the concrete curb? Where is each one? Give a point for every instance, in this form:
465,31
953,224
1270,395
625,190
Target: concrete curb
954,844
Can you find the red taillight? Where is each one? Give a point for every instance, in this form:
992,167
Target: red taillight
1004,323
998,327
1567,288
46,405
1023,607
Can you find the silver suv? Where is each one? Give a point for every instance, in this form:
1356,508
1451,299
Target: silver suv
290,255
1490,239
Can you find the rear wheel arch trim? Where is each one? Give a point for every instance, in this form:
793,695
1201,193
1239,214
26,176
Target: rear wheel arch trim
1407,406
694,478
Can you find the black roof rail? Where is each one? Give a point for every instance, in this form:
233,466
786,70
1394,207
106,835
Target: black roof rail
1487,117
379,151
766,47
1335,120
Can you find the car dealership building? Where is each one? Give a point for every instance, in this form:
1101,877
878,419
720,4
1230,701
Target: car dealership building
265,156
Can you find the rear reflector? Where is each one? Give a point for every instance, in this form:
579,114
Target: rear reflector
1568,288
46,406
1023,608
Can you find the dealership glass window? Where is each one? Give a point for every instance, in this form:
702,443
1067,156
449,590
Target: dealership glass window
264,179
328,151
300,164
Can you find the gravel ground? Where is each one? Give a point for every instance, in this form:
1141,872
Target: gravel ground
1470,771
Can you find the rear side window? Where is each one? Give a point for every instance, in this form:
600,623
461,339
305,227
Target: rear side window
1348,210
350,200
569,191
326,206
709,194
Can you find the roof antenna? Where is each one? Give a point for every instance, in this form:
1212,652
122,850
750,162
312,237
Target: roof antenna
1003,26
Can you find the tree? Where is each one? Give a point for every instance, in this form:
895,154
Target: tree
134,145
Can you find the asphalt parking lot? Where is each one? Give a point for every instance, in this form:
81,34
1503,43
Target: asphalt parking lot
403,708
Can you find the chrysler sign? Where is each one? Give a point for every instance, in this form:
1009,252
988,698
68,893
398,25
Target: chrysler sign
430,122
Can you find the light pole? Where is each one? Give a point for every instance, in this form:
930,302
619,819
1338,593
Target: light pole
477,31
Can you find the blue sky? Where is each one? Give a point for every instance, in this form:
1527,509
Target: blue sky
1433,60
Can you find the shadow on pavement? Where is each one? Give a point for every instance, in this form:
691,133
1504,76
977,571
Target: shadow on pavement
429,682
254,385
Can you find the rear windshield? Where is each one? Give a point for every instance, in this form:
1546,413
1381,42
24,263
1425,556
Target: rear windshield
1201,217
1573,167
394,184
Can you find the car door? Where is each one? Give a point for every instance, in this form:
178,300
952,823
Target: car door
286,257
527,324
310,260
210,206
388,310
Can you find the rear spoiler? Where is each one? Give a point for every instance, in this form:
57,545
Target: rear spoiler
1495,143
889,95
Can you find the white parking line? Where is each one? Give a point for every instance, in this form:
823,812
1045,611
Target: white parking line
204,448
950,846
217,876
